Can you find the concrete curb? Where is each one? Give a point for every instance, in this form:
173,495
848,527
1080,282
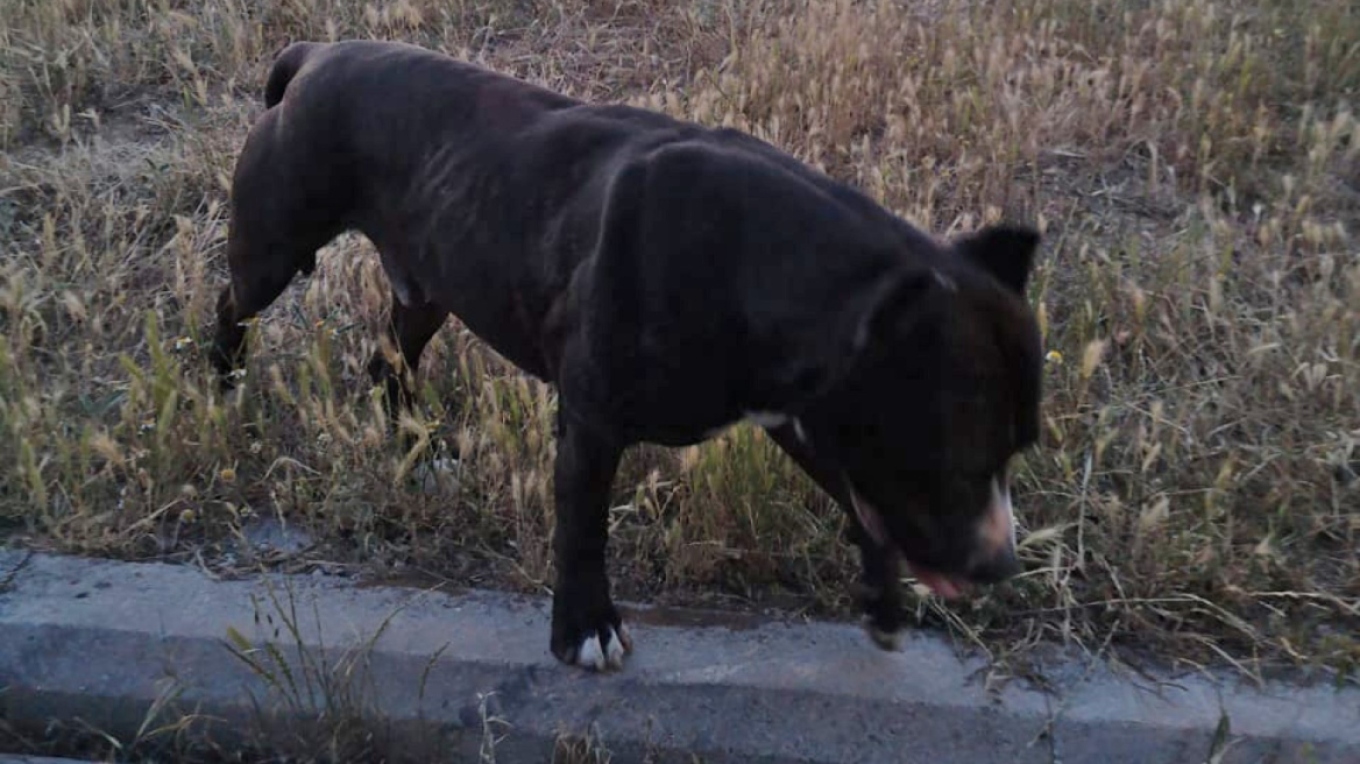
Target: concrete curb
97,639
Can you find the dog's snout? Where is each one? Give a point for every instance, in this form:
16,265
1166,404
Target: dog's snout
995,559
995,568
997,527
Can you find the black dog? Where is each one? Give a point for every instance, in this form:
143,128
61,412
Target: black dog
669,280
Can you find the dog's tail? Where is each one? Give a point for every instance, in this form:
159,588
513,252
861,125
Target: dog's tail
287,62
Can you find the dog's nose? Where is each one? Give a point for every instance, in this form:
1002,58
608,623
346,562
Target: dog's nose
996,567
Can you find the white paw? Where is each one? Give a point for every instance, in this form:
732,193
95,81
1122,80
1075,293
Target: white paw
437,474
885,640
590,655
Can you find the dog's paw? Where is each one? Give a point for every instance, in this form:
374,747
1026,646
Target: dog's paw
889,639
229,379
604,651
601,648
433,475
880,616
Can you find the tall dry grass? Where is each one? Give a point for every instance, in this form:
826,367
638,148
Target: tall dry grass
1195,165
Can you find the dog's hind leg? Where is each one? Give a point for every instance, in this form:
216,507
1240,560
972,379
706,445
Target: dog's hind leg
283,211
249,292
409,329
261,269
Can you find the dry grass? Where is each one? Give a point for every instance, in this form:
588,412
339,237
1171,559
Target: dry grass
316,705
1195,165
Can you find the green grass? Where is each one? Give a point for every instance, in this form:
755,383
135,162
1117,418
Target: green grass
1195,166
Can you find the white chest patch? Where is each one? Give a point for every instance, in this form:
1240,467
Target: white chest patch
765,418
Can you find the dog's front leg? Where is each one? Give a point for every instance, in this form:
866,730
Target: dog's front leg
880,596
880,586
586,628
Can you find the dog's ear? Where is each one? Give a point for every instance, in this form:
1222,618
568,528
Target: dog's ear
895,305
1006,251
879,313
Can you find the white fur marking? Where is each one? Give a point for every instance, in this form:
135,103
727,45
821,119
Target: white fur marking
889,641
402,291
998,527
766,419
770,419
945,281
615,651
800,433
868,517
590,654
436,474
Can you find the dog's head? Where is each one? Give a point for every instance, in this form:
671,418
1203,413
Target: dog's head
941,392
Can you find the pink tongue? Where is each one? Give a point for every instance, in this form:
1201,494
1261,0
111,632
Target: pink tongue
940,584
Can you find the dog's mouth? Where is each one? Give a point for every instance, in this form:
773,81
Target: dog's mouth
943,585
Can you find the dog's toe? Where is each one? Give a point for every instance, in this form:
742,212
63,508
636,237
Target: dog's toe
883,638
619,645
590,655
604,651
